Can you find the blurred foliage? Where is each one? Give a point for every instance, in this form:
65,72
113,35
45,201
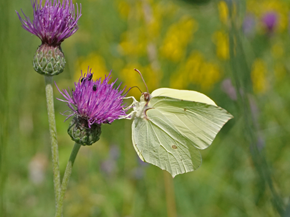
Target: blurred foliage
196,2
236,52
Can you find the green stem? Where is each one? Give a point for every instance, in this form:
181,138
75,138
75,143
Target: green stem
53,136
66,177
170,197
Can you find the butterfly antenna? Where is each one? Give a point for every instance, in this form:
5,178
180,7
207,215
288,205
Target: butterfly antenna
137,88
142,79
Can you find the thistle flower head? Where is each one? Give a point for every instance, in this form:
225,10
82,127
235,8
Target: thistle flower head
97,101
92,103
52,22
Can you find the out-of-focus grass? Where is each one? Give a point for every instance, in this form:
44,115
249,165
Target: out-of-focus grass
174,45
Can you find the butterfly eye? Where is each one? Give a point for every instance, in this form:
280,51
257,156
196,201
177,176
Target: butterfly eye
82,80
146,96
94,88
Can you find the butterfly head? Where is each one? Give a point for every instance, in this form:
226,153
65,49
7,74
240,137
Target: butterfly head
146,96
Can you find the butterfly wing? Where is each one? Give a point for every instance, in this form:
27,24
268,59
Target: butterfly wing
188,95
197,122
157,141
175,127
139,139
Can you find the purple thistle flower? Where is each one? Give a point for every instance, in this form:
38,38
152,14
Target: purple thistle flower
270,21
97,102
53,22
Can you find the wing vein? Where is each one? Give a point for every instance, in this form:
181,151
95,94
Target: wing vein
168,134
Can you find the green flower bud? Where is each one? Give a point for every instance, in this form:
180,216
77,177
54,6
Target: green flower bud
81,133
49,60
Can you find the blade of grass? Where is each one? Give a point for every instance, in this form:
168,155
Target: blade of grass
241,75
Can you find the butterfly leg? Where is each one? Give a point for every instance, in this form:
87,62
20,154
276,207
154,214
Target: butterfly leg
130,97
132,113
129,116
132,104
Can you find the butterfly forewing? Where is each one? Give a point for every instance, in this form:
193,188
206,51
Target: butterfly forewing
188,95
158,141
198,122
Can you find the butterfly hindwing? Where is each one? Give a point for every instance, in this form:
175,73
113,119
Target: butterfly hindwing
157,141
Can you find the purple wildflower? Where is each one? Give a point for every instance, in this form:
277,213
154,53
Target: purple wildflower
248,24
229,89
97,101
270,21
109,165
53,22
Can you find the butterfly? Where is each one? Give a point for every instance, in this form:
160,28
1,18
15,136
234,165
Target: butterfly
170,126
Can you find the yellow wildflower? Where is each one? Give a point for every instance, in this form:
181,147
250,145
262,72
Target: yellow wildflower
196,71
124,8
133,43
258,75
221,39
211,74
177,38
223,11
154,28
188,72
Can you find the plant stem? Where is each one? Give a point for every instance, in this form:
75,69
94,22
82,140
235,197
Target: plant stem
53,136
170,197
66,177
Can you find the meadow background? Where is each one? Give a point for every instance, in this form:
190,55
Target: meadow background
236,52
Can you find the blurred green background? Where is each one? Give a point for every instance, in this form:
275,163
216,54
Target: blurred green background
236,52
